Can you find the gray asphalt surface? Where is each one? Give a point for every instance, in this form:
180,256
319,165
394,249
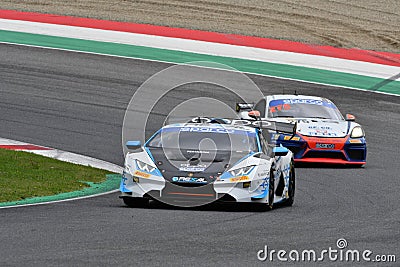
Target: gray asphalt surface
76,102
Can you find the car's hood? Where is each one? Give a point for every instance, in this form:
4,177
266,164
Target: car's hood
182,162
319,127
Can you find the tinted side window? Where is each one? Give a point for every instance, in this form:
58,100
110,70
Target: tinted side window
267,136
260,106
267,145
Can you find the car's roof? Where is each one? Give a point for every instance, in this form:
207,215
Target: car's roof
211,126
283,96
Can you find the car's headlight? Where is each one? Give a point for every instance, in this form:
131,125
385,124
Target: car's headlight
357,132
144,166
241,171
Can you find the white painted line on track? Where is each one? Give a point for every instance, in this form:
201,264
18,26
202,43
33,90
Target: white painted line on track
203,47
63,200
67,157
167,62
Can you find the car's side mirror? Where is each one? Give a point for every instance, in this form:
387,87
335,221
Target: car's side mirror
254,114
350,117
133,145
280,151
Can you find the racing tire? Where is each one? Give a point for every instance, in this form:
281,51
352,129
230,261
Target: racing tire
271,196
292,186
271,192
136,202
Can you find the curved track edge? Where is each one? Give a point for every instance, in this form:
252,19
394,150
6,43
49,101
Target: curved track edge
373,71
95,189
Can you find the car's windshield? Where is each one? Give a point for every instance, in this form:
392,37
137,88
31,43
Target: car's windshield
205,138
303,108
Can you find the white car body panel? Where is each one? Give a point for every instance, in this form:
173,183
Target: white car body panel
137,183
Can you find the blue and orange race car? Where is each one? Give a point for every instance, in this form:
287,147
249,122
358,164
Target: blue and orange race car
323,135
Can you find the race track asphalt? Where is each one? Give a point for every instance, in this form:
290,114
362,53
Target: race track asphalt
76,102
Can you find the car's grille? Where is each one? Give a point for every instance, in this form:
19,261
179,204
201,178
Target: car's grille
356,154
324,154
188,184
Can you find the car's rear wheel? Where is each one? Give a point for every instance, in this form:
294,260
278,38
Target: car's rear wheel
292,186
136,202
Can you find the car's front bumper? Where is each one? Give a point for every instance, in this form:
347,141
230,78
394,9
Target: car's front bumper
167,192
345,150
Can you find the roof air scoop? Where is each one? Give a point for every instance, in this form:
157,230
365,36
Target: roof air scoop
194,161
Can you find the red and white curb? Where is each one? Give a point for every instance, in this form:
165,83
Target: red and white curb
355,61
60,155
204,47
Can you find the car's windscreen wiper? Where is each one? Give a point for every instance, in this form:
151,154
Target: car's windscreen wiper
284,116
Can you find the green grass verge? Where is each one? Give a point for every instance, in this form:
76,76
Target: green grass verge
25,175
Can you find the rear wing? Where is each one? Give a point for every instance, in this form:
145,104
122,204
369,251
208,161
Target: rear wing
260,123
275,126
244,107
283,127
197,119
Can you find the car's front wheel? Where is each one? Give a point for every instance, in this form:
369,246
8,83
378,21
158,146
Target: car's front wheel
292,186
271,191
271,195
136,202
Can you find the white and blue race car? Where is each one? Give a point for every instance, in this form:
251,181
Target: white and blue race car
323,135
196,163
